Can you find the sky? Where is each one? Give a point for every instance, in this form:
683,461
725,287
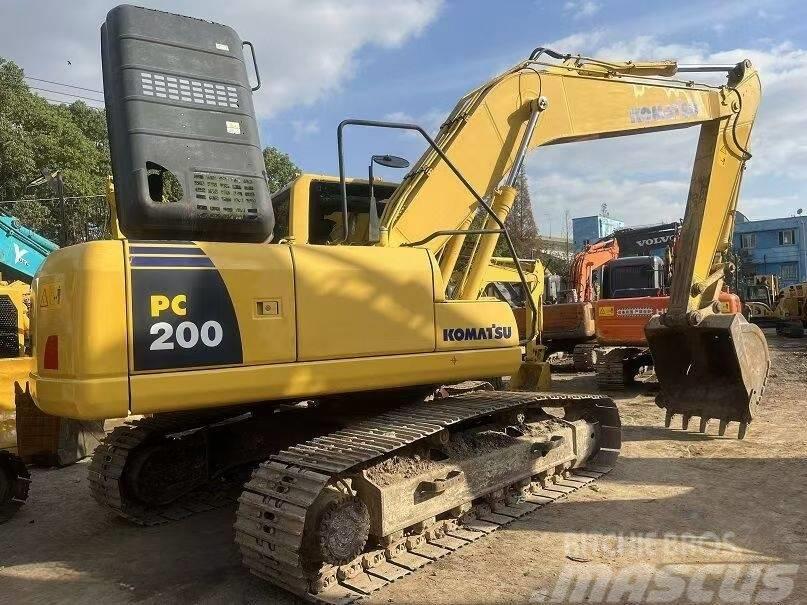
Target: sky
322,61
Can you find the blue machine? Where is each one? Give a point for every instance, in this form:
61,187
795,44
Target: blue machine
22,251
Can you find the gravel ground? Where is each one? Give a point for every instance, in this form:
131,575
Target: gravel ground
713,506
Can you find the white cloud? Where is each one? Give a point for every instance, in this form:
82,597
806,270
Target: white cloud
576,42
304,128
605,171
756,207
306,50
580,9
630,200
430,120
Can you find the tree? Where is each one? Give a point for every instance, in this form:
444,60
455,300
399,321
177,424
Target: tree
520,223
280,169
35,135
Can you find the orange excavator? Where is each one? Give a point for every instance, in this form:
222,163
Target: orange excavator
570,325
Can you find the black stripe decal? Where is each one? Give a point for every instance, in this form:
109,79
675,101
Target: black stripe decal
180,242
174,261
185,250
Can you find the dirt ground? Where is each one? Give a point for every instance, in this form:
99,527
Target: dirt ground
715,506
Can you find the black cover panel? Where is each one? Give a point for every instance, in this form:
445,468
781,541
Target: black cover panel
645,241
178,99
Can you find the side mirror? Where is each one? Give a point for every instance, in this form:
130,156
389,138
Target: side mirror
391,161
373,223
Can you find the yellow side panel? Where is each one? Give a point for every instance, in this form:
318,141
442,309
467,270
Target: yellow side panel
208,388
362,301
79,297
13,369
475,324
259,275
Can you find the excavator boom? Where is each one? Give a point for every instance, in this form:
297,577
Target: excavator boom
724,364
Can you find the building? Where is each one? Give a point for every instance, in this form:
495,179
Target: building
587,229
775,246
559,247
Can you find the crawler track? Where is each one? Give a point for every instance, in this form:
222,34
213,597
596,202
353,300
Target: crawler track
14,484
617,367
271,526
585,357
107,484
610,369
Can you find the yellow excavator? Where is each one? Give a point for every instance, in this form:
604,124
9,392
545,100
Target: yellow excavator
339,364
15,365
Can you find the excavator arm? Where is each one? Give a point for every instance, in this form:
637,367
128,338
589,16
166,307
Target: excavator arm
485,139
591,258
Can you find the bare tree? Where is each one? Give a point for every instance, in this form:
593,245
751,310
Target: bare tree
520,223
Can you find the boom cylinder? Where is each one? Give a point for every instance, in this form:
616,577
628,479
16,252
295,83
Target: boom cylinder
452,250
501,205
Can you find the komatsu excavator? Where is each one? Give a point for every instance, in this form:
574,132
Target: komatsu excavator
340,367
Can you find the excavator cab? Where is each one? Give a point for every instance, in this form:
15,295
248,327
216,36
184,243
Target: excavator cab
309,210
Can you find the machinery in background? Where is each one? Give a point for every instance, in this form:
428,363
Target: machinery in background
569,325
22,252
15,365
341,367
768,305
635,288
554,286
760,295
573,325
791,310
622,352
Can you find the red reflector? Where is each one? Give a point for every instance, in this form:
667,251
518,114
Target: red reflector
51,357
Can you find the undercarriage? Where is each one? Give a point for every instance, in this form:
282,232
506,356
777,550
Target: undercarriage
617,367
342,504
585,356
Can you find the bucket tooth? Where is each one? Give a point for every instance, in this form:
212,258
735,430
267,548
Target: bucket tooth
668,418
704,423
743,429
685,421
722,428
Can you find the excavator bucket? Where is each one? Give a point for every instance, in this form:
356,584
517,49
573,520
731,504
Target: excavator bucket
715,370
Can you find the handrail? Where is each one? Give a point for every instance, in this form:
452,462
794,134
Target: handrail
502,228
